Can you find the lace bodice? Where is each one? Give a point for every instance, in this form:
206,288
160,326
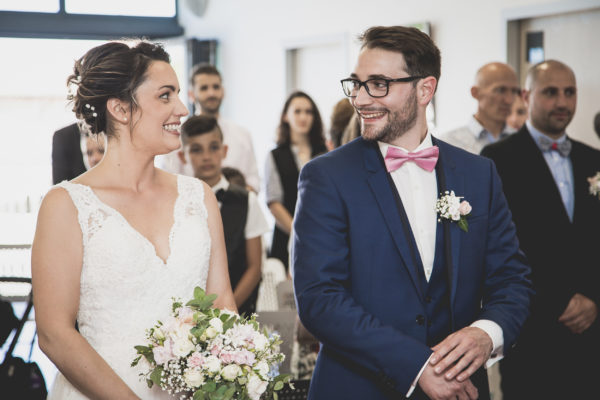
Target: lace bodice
125,286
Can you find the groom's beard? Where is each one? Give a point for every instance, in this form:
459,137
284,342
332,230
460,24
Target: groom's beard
399,123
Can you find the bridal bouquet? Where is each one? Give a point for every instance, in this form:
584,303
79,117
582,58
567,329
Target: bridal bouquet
204,353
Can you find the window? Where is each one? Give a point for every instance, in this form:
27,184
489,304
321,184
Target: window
138,8
84,19
48,6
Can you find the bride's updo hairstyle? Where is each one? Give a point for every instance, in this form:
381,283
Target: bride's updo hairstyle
111,70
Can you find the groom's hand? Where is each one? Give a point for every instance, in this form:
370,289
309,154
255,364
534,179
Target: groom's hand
436,387
461,353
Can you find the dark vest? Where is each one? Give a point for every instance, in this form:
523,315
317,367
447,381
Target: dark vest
288,174
234,213
437,303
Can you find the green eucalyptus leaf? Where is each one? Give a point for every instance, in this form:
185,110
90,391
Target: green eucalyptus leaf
229,393
198,395
156,375
209,387
463,224
278,385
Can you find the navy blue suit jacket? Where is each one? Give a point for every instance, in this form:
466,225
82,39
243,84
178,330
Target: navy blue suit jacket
356,285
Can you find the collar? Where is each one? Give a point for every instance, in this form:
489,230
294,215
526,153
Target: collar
480,132
423,145
222,184
536,135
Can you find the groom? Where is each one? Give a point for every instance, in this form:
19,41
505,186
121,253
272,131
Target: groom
406,302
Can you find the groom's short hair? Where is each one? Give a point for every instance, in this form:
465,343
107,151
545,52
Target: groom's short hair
421,55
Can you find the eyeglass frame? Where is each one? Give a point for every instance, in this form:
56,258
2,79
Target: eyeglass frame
387,81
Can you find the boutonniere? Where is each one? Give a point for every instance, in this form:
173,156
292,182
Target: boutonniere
449,206
595,185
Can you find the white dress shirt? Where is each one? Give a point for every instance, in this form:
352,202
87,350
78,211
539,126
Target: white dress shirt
418,190
473,137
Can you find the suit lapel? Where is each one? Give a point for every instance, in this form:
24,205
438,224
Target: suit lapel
397,222
581,191
449,180
539,171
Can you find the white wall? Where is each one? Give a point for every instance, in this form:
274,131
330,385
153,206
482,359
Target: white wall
253,36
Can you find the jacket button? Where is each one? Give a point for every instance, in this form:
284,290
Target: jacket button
420,319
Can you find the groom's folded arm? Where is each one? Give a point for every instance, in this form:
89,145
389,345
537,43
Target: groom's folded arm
507,288
322,286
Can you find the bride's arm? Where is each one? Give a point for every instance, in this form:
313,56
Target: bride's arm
218,272
56,261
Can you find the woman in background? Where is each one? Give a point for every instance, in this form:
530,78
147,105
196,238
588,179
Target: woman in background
114,245
518,114
299,139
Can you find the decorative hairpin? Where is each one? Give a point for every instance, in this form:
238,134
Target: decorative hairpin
91,108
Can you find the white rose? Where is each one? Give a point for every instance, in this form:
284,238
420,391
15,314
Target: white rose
212,364
181,332
262,368
210,332
260,341
193,378
256,387
158,334
231,372
182,347
217,324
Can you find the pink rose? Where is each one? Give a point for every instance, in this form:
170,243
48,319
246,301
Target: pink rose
215,350
464,208
195,360
163,354
244,357
226,357
186,315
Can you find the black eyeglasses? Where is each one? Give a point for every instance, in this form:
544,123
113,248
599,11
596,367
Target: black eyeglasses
377,87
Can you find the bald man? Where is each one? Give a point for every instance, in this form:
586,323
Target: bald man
495,89
545,175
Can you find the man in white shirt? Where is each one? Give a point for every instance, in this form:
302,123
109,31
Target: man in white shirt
496,88
410,295
207,93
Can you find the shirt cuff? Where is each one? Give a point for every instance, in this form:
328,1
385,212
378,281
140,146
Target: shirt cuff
495,333
414,384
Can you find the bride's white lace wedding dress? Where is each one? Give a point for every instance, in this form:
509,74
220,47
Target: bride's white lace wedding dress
125,286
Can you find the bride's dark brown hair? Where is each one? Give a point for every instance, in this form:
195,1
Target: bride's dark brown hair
111,70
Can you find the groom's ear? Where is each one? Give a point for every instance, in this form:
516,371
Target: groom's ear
426,90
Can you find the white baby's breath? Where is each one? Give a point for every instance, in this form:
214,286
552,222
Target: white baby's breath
449,206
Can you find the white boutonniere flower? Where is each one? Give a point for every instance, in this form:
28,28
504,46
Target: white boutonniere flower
449,206
595,185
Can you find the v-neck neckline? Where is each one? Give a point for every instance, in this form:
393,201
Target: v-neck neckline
119,215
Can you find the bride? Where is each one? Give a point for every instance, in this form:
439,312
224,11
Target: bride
113,246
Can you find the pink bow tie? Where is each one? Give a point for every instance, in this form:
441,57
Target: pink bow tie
426,158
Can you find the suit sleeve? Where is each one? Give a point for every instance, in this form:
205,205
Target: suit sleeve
60,160
507,286
323,287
